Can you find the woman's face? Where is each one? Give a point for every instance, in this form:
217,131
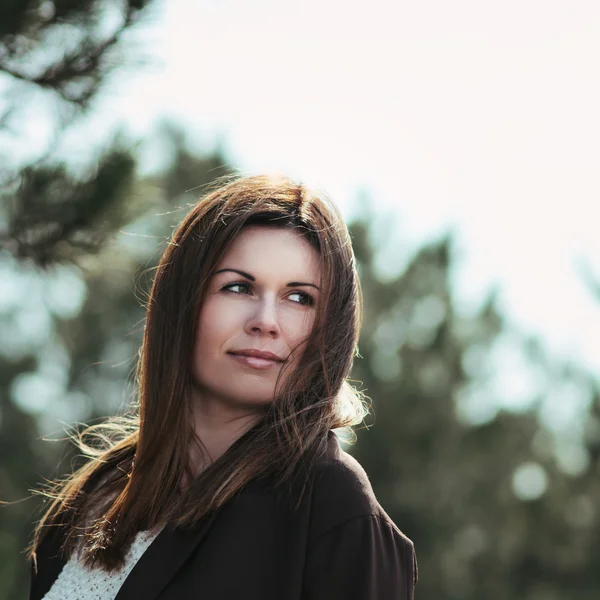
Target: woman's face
262,297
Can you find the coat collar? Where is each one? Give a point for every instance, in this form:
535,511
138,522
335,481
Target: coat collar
162,559
169,551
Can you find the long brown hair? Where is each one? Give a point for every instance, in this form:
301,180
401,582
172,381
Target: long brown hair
145,457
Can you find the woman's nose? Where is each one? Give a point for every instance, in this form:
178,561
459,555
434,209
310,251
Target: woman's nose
264,318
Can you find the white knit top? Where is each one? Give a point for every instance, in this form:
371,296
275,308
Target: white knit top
78,582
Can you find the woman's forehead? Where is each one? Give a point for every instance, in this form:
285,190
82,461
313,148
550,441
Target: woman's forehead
272,250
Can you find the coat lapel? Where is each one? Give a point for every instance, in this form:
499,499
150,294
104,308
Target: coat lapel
161,561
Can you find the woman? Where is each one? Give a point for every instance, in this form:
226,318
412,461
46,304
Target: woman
229,481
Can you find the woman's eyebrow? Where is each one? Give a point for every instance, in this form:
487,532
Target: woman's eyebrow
242,273
252,278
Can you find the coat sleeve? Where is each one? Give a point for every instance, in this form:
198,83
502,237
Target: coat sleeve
365,558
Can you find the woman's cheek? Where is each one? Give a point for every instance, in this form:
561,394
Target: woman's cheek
298,323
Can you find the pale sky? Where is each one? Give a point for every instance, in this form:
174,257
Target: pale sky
480,116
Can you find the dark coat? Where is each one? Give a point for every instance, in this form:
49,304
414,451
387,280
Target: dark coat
339,544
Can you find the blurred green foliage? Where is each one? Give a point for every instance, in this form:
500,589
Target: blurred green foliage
55,58
500,504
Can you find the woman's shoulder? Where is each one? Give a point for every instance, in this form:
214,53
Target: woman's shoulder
342,493
339,479
354,549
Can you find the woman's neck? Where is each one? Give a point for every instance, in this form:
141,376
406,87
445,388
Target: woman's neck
217,427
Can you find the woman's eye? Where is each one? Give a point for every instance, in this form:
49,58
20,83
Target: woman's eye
235,285
306,299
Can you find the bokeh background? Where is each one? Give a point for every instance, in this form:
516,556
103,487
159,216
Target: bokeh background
460,140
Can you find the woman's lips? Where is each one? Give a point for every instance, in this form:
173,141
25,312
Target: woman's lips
255,362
